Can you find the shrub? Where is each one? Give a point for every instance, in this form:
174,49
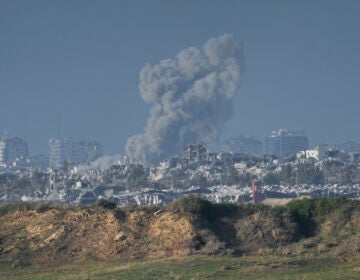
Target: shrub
106,204
120,214
43,207
213,245
229,210
306,210
151,209
196,207
12,207
192,206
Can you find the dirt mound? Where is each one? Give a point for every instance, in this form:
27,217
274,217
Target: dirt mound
191,226
262,231
57,235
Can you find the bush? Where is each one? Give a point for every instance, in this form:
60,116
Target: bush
43,207
106,204
225,210
196,207
120,214
12,207
306,210
151,209
212,244
278,211
192,206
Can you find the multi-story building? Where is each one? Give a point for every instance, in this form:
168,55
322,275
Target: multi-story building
2,152
283,142
194,152
65,150
57,153
13,152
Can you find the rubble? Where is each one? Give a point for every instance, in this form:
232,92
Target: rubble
219,177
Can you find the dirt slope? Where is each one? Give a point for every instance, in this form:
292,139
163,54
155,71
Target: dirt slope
56,235
59,235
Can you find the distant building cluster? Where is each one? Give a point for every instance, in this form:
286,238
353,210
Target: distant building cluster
73,153
223,176
279,143
280,146
15,155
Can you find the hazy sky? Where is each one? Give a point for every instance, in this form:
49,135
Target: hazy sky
77,63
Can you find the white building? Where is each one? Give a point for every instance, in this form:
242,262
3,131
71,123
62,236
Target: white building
318,153
13,152
65,150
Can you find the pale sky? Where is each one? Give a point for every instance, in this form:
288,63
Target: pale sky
77,63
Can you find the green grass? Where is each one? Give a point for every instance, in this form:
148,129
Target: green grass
196,267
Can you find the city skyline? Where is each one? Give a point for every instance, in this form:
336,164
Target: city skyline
75,66
228,145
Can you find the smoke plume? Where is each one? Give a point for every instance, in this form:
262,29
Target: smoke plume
192,97
102,163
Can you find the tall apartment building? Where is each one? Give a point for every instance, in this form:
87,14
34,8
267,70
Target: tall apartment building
61,150
57,153
13,151
283,142
2,152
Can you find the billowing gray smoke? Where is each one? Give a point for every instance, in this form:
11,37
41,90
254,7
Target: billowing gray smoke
192,97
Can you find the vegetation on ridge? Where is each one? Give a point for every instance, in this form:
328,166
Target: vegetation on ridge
34,234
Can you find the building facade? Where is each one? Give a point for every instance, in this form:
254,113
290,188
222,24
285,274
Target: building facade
13,152
73,153
283,142
194,152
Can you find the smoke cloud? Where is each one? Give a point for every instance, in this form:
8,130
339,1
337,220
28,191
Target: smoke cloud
192,97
